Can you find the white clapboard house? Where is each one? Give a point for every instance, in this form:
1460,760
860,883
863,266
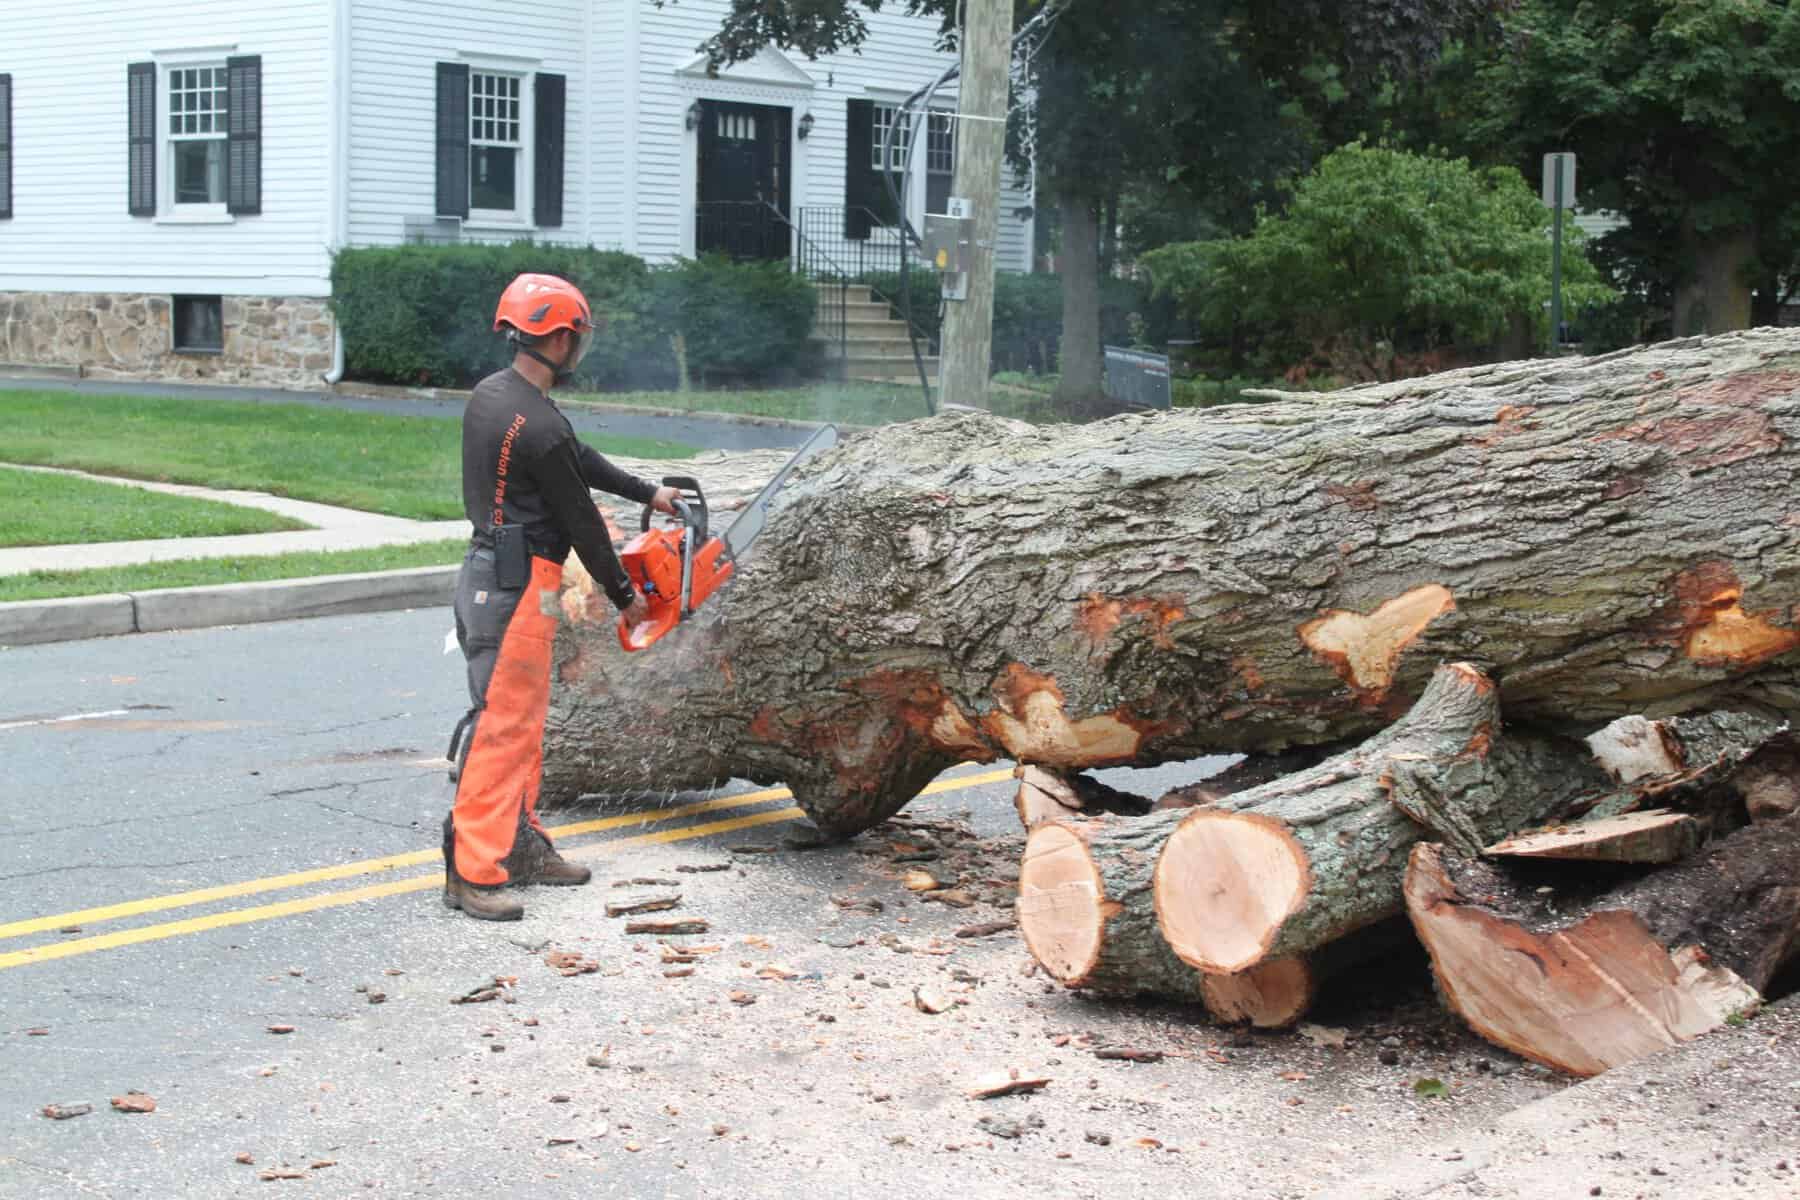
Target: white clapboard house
174,177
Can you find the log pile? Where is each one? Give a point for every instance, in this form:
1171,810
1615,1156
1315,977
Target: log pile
1519,858
1605,540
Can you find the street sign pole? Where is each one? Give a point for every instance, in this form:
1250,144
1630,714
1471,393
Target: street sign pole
1556,269
1559,191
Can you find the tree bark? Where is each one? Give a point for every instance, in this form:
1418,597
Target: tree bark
1583,982
1078,386
1604,537
1716,297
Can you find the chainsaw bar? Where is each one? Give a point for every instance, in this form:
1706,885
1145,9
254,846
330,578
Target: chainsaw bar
750,522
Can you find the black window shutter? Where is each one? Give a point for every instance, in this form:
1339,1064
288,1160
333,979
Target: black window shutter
140,79
6,154
547,155
243,144
453,139
860,181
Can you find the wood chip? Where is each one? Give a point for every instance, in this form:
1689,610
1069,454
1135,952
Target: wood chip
702,868
777,971
678,973
1325,1035
272,1176
322,1164
742,998
62,1112
986,929
134,1102
567,963
281,1029
928,1001
1006,1083
954,897
755,848
643,904
646,881
1128,1054
921,881
668,926
245,1158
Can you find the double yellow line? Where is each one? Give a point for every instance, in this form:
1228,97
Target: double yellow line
394,862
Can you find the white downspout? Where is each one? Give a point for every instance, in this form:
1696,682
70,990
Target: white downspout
338,220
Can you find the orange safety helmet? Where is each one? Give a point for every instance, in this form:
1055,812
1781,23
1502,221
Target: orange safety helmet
534,306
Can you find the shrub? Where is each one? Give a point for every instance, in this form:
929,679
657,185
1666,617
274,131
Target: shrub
1028,315
1380,255
423,315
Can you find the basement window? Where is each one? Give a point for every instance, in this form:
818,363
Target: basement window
199,325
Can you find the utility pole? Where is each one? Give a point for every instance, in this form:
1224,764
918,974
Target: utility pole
968,339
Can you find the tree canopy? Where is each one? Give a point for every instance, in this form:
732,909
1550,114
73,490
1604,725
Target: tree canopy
1684,117
1380,253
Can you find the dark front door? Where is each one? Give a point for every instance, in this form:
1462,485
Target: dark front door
744,181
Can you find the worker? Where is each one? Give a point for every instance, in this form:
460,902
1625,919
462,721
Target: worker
526,481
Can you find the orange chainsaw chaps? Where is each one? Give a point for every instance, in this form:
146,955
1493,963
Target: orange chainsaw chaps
653,561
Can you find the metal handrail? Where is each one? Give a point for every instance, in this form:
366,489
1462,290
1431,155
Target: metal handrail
816,265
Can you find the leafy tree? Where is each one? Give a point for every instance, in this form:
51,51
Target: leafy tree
1159,97
1382,252
1685,118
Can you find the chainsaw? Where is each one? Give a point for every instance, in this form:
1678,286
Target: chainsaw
675,568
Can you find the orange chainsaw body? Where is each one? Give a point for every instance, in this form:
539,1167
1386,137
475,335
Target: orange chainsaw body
653,560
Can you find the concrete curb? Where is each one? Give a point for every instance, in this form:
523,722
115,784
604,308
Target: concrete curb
35,622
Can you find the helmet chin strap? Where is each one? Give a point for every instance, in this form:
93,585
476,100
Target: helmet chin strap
560,372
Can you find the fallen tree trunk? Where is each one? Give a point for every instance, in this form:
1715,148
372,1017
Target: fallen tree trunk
1582,979
1604,536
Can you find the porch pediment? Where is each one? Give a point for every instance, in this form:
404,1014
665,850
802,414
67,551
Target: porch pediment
770,68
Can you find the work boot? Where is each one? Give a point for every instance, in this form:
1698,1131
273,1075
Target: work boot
549,867
482,903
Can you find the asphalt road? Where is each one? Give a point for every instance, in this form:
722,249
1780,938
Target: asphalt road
213,836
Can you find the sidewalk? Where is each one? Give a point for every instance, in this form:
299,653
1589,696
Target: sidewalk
729,478
333,529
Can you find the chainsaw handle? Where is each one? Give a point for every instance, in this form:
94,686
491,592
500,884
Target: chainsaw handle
693,514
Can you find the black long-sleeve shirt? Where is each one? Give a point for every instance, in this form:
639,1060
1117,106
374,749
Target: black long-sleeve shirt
523,465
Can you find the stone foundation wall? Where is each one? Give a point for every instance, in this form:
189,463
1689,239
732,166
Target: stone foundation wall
276,341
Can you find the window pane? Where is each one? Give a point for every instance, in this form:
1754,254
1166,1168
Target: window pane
493,178
197,323
200,172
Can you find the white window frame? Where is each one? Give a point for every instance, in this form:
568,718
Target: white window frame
940,126
168,212
524,178
884,117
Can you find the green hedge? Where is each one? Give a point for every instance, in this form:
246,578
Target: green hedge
1028,315
423,315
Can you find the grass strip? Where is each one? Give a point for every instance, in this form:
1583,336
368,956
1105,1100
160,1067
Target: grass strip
400,465
197,572
56,510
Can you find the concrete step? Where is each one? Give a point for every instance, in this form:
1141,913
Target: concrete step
855,293
857,311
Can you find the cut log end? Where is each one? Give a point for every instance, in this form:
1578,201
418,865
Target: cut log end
1061,906
1270,995
1225,883
1592,995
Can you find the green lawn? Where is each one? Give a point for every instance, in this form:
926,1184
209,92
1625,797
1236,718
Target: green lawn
49,585
403,466
51,510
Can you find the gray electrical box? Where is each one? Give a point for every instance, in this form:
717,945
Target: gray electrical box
949,243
